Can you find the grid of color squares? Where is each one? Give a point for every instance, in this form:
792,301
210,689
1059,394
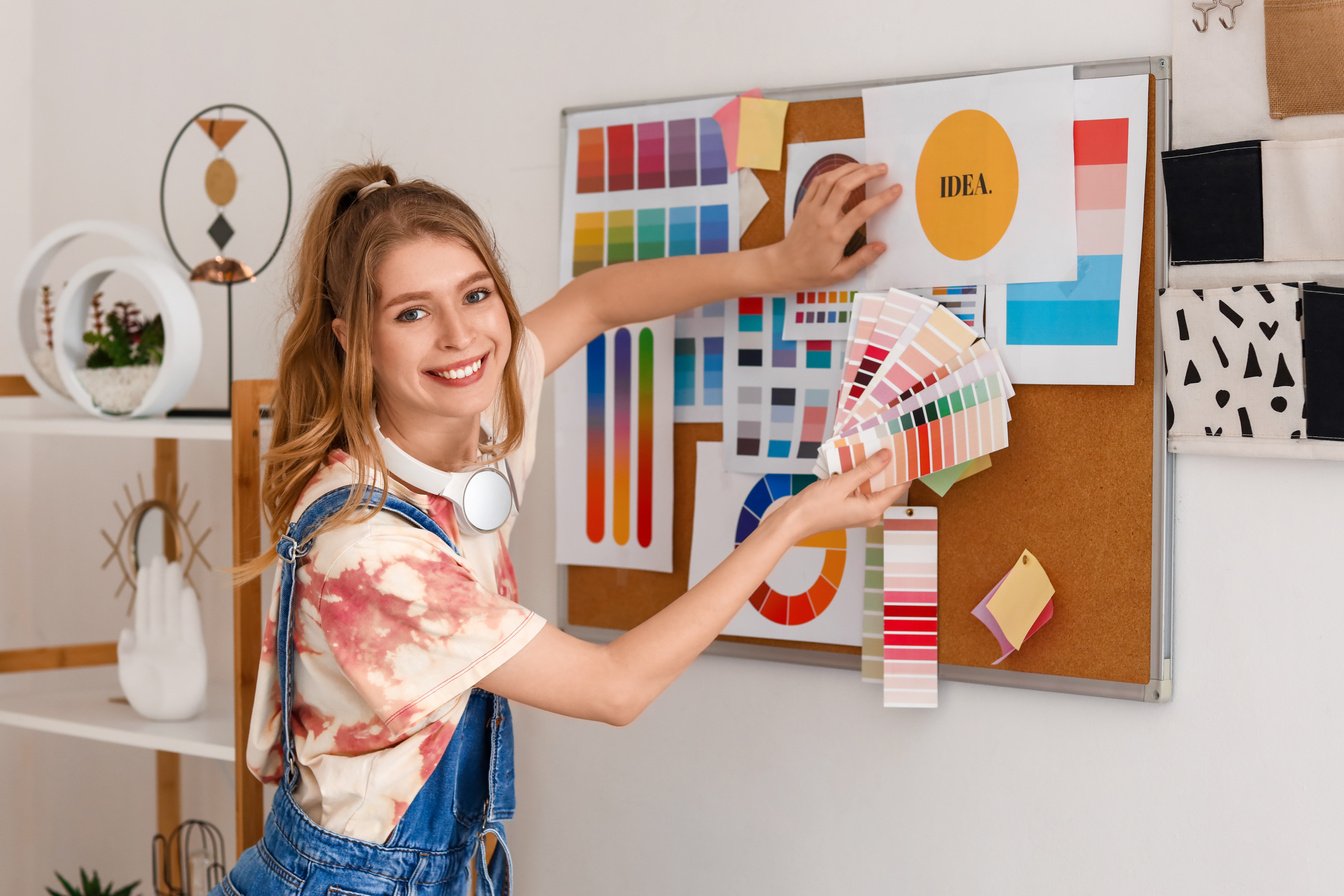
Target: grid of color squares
782,434
874,568
910,607
631,402
812,601
602,238
651,155
1085,311
823,307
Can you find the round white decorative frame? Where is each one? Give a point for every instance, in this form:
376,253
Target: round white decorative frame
181,330
35,267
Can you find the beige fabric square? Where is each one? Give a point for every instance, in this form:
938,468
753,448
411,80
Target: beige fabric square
1304,57
1303,196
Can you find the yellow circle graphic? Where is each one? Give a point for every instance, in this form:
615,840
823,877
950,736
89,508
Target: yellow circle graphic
966,184
221,182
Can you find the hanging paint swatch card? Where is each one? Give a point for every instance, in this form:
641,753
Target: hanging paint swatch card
987,168
778,408
639,183
910,607
814,593
1081,329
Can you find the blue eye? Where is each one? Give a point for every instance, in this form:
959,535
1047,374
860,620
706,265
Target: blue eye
405,315
476,296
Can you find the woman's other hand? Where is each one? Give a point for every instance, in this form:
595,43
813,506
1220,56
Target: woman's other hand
813,252
836,503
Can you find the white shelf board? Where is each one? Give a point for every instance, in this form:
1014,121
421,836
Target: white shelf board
43,419
88,703
1285,449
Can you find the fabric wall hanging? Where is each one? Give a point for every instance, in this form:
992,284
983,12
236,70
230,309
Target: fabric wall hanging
1214,206
1303,188
1323,330
1233,361
1304,57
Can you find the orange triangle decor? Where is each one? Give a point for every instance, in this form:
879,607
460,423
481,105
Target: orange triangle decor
221,130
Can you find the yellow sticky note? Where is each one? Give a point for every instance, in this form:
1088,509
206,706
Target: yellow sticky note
1018,602
760,136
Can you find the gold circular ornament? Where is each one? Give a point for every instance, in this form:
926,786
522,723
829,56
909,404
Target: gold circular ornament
221,182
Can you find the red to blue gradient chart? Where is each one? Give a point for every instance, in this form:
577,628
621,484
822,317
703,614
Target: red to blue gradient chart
640,183
814,593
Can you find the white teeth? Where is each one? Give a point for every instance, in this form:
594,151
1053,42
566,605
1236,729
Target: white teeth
460,372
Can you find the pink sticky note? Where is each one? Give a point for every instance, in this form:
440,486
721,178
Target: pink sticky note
729,118
982,613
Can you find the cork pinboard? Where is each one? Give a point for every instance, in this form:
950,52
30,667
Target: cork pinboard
1082,485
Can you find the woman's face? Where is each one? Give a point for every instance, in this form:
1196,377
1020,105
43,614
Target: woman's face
439,338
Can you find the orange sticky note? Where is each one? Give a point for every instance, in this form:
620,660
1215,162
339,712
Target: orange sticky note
760,140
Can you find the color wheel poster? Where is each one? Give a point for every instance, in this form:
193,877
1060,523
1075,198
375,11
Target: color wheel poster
1082,329
639,183
987,167
814,593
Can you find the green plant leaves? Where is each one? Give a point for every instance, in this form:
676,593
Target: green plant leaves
128,342
91,886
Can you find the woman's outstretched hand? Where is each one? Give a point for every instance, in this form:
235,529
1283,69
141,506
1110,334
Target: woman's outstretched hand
836,503
813,252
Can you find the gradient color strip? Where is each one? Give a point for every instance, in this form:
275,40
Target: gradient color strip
652,156
910,607
620,236
592,161
620,460
620,157
644,519
682,170
713,162
597,441
588,237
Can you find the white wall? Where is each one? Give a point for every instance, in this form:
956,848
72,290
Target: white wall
746,777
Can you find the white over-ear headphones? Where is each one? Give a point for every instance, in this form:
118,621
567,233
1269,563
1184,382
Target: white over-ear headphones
484,498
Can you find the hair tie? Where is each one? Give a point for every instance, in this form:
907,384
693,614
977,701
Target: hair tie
369,188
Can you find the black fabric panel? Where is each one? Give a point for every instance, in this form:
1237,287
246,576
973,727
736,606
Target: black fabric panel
1323,360
1215,209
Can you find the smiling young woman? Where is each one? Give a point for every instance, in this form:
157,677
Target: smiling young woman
395,638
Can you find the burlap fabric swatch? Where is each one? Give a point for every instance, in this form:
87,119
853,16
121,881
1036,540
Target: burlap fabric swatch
1304,57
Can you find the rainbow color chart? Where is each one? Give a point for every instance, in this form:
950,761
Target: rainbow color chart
815,593
910,607
652,155
819,314
639,183
779,410
1083,330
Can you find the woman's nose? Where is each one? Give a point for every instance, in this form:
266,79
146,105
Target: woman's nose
454,331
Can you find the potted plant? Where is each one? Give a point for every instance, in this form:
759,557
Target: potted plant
90,886
127,352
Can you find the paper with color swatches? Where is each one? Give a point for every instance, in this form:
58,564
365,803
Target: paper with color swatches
918,381
1018,606
910,607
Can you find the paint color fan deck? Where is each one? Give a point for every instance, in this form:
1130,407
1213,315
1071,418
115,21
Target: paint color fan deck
918,381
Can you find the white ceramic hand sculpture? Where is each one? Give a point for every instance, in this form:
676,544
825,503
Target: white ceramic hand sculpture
161,660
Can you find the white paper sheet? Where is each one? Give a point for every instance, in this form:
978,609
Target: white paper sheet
987,167
1083,330
639,182
814,607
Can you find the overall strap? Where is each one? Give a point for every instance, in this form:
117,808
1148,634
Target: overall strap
294,545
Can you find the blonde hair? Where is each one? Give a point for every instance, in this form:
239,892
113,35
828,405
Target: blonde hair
324,395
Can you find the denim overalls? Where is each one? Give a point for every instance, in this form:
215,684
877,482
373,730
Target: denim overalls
443,832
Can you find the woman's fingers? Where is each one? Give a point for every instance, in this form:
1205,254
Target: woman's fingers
852,180
822,186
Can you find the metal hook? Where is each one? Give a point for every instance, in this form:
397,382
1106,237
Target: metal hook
1205,7
1232,8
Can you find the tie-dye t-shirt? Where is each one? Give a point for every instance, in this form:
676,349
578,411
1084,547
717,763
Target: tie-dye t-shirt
392,631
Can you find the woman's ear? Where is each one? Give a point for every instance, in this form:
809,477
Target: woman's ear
339,328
